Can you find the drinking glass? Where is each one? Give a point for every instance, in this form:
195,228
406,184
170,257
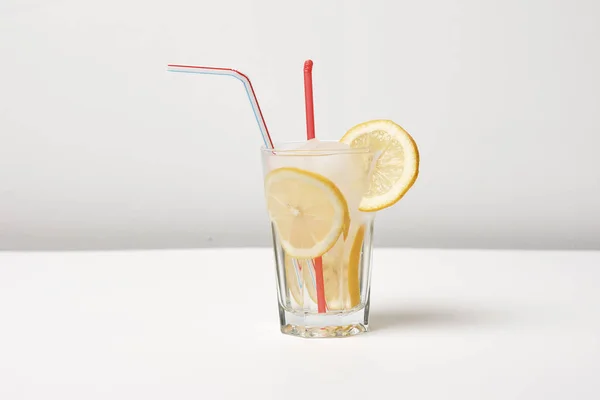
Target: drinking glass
346,267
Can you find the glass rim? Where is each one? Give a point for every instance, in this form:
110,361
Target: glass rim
315,152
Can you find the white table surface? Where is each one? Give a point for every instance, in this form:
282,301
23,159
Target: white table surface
202,324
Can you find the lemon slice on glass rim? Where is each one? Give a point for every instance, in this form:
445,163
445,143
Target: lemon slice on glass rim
397,166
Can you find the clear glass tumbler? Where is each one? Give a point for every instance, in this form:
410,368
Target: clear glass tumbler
346,267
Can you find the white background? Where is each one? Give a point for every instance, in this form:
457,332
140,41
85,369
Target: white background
101,148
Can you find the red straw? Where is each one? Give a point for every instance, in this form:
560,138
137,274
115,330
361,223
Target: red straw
308,100
310,134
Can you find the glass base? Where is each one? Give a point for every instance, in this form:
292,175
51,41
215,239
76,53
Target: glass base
327,325
325,332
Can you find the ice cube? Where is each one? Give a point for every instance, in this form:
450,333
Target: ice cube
316,144
348,170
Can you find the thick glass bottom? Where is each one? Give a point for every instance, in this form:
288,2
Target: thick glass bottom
325,332
327,325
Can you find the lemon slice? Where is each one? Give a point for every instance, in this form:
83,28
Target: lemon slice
299,277
341,279
354,267
295,276
294,279
397,167
308,210
334,277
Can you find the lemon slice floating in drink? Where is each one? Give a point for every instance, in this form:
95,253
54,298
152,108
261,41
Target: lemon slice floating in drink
354,267
308,210
299,277
397,167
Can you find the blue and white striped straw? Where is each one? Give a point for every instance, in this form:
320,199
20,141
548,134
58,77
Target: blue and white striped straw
260,120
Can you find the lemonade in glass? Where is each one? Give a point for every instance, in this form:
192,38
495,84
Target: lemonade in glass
322,198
